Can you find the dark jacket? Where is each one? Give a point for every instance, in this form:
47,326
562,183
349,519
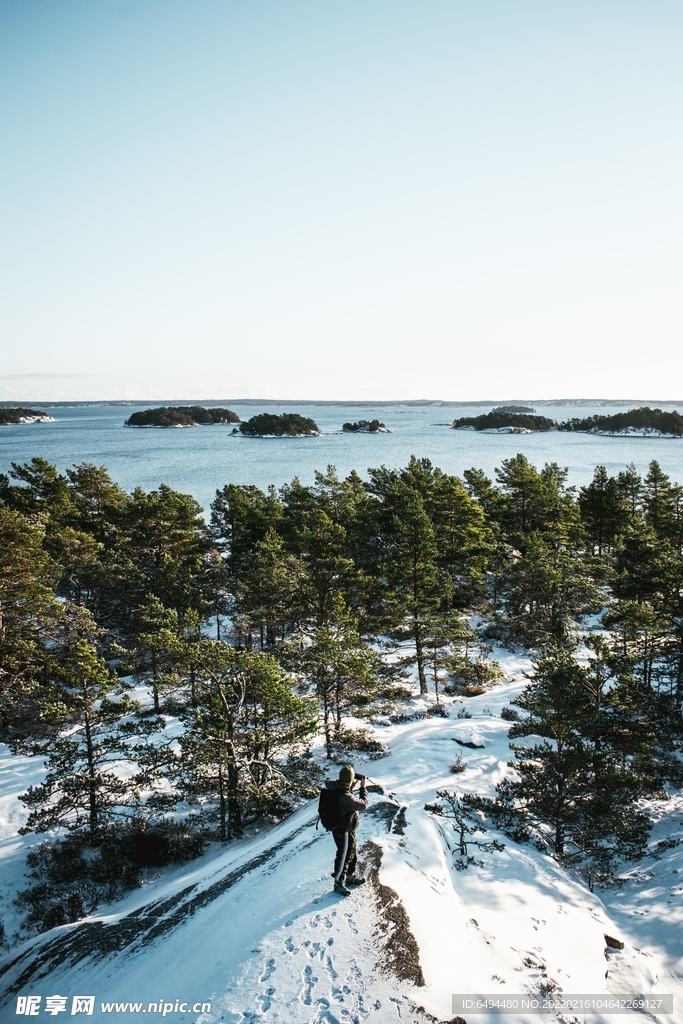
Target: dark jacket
349,804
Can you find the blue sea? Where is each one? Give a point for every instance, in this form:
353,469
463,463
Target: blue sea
198,460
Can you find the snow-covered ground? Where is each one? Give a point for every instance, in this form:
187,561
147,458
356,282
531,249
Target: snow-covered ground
254,929
631,432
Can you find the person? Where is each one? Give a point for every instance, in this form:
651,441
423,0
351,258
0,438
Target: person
345,833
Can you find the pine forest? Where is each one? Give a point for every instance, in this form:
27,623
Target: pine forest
172,670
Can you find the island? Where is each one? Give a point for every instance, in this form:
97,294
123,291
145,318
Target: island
642,422
20,415
181,416
513,408
365,427
499,421
288,424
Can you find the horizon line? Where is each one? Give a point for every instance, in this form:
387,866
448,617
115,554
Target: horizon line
8,403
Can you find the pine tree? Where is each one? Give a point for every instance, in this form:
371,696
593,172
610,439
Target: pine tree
344,670
157,649
82,712
269,596
657,500
240,517
547,589
27,610
603,510
161,552
246,718
573,789
409,563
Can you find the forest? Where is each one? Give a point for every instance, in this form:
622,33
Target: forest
643,418
287,424
640,419
19,414
173,671
504,417
180,416
364,426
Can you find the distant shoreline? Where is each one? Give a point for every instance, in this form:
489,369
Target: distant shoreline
358,403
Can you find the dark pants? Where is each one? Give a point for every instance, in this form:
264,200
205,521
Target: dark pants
345,861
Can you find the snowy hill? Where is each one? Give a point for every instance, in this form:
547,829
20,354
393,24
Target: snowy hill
254,930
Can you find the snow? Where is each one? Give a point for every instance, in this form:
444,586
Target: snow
17,773
507,430
255,929
30,419
631,432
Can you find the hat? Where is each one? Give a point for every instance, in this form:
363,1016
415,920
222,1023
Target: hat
346,774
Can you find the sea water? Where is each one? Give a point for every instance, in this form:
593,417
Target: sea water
198,460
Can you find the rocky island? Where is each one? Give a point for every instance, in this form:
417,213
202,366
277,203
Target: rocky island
365,427
180,416
288,424
642,422
501,421
20,415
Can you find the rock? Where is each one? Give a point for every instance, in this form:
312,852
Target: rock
613,943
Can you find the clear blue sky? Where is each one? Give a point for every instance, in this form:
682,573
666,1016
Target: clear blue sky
341,198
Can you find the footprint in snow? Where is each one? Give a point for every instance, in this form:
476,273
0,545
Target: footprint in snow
308,982
289,945
325,1017
266,1001
348,1016
268,970
329,967
349,921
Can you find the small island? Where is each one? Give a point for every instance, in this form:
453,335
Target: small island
180,416
513,408
643,422
20,415
500,422
288,424
365,427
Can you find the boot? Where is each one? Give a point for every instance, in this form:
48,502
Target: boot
356,880
340,888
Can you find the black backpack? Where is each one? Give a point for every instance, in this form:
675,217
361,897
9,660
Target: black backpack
328,809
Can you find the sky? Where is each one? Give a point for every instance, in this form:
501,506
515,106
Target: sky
341,200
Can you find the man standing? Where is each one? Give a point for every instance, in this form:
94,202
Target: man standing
345,825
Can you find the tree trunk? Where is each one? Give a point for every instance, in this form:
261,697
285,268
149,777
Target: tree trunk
559,838
419,655
221,794
92,781
155,688
326,720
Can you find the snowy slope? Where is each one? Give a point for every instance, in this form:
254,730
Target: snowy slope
255,930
